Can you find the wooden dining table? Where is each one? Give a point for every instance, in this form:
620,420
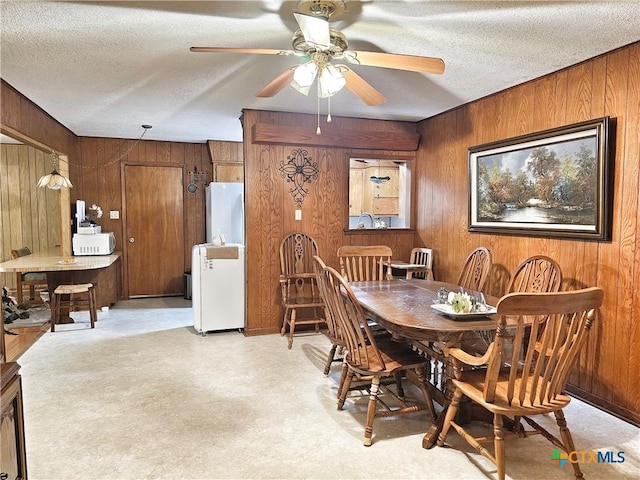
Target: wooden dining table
404,308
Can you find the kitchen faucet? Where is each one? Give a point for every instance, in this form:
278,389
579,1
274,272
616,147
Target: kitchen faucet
361,223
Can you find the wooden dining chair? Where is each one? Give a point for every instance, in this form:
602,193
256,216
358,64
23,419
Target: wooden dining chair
338,343
475,270
550,329
298,284
373,358
28,279
421,256
536,274
360,263
335,331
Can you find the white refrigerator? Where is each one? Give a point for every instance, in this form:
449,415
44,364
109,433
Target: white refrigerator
217,276
225,212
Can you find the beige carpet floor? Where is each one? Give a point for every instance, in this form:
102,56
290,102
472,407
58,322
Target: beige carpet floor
143,396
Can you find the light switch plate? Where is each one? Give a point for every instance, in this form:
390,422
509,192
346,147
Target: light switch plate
298,215
114,214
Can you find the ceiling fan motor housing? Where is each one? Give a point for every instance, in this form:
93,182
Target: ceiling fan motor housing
321,8
337,39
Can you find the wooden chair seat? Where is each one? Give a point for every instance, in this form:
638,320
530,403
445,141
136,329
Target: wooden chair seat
76,288
394,356
74,297
473,384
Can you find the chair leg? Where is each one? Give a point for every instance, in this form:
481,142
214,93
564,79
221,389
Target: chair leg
93,313
315,312
19,293
55,310
451,413
345,383
567,440
397,376
284,322
330,357
371,411
292,328
498,445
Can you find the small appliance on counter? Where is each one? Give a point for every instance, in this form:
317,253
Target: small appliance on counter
89,240
94,243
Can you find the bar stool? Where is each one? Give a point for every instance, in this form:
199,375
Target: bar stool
79,295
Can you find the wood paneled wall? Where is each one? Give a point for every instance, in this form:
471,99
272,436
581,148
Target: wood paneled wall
96,176
609,85
608,373
29,216
100,180
24,116
270,207
23,119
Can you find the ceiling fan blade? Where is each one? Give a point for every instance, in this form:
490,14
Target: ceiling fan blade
276,84
361,88
314,29
411,63
259,51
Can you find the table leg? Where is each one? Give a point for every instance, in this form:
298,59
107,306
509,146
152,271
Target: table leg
430,438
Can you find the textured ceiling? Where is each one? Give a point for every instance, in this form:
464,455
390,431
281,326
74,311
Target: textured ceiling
105,68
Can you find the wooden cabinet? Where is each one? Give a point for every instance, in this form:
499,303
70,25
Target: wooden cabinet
228,161
229,172
356,194
380,199
13,458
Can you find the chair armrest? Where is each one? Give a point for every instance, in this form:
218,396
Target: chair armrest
468,359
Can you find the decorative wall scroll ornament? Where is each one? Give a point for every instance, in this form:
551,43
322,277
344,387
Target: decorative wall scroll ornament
299,169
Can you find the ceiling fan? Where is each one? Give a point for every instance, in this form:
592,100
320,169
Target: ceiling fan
320,45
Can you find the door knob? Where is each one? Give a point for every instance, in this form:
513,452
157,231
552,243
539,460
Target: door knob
132,240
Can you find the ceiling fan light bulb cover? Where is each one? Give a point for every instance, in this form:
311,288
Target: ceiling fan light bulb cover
331,81
305,74
303,90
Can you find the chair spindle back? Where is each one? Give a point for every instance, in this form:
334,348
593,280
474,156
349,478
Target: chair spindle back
365,263
537,274
550,330
351,320
475,270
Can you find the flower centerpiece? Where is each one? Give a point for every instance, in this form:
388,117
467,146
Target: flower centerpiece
460,302
94,212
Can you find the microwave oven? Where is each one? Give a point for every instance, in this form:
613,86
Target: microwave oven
94,244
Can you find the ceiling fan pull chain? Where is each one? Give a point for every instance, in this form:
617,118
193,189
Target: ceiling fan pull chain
318,131
328,109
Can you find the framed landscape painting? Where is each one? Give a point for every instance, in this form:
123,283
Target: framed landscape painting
555,183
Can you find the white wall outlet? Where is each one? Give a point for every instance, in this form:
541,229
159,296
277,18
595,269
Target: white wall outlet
114,214
298,215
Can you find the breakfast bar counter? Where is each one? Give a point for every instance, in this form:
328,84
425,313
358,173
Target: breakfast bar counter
104,271
52,261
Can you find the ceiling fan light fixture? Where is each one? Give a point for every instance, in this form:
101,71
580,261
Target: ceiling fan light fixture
330,81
